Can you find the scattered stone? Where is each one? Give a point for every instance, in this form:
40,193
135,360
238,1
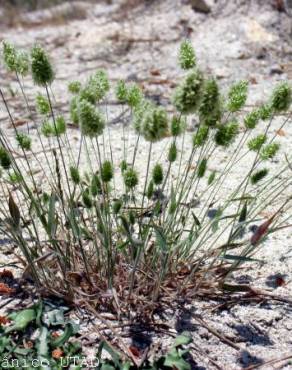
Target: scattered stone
276,69
200,5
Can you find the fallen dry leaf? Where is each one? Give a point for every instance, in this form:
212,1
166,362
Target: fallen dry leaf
280,132
4,289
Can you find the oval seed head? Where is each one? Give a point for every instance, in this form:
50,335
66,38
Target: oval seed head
210,110
172,152
177,126
155,124
41,68
95,186
281,97
47,129
187,96
237,96
202,168
74,110
15,177
15,60
150,190
9,56
90,119
86,198
265,112
251,119
211,178
42,105
74,87
107,171
132,217
75,175
258,175
23,140
117,205
130,178
98,85
5,159
138,114
61,127
157,174
269,151
121,91
201,136
187,57
226,134
257,142
134,96
123,165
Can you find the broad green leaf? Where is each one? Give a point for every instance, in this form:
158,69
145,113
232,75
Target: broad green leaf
175,360
14,211
22,320
182,339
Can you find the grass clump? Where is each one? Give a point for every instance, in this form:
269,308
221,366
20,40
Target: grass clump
131,227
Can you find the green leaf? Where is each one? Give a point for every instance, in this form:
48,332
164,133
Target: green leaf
22,320
115,356
52,224
160,238
182,339
239,258
70,330
243,213
175,360
14,211
42,347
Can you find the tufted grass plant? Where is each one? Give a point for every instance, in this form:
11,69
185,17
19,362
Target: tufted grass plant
125,229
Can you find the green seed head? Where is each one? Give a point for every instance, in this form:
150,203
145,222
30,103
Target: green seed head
47,129
42,71
187,57
202,168
226,134
210,110
122,91
130,178
257,142
150,190
95,185
90,119
155,124
200,136
117,205
281,97
75,175
42,105
134,96
86,198
61,127
5,159
265,112
177,126
23,140
258,175
211,178
172,152
15,60
15,177
74,110
74,87
98,86
157,174
123,165
269,151
188,95
107,171
237,96
251,119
